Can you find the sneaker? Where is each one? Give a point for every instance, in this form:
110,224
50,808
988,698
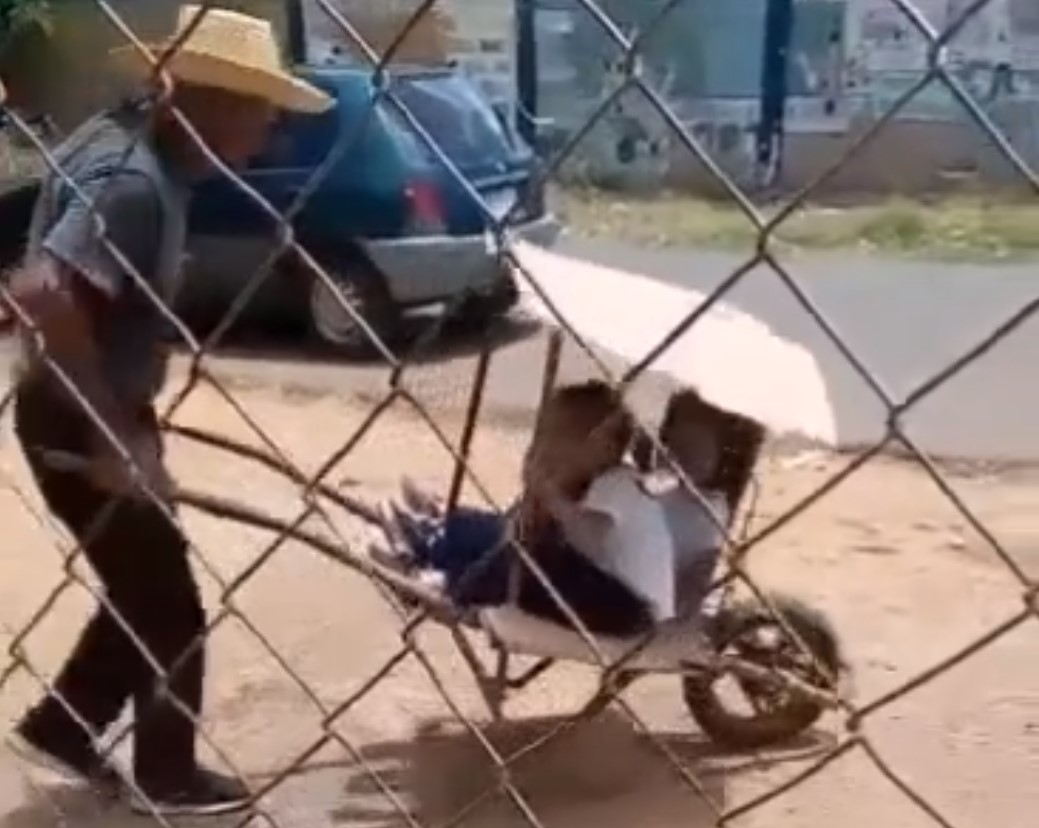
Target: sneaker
418,500
86,767
205,794
433,580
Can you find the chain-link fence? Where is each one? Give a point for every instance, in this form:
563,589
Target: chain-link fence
382,655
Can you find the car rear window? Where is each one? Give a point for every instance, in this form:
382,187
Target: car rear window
456,116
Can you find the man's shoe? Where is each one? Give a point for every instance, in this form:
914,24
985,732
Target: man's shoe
82,766
205,794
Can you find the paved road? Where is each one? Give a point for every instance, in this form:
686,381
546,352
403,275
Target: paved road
905,322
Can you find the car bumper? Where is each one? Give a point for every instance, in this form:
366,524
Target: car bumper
426,269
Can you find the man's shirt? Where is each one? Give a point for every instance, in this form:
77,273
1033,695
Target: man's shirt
143,206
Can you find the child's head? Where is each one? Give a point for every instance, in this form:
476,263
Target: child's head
584,429
689,431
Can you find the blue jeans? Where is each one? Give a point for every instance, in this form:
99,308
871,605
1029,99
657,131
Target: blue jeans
467,541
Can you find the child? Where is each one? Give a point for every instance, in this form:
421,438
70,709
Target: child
563,521
662,536
576,480
696,516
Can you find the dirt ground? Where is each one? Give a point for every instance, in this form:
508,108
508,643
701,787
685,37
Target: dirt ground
899,570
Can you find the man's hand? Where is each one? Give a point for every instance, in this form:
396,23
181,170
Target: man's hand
540,474
110,472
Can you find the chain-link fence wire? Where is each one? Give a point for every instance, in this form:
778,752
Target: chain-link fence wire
320,497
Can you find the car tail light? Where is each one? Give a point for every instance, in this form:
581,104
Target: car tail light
426,209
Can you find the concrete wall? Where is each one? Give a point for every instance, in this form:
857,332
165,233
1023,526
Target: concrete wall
68,77
903,157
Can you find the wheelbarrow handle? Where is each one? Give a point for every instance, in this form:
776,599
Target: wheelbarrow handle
356,507
228,509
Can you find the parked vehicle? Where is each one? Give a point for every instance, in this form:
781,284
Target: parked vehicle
389,221
394,226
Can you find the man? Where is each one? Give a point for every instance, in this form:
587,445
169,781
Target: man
104,331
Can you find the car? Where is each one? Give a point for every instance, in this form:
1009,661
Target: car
393,226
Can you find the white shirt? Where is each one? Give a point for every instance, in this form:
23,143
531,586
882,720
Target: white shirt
638,548
693,529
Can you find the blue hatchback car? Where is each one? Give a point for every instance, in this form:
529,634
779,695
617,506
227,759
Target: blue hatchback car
388,220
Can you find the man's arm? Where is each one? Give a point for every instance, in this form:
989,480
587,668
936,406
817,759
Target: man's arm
67,291
65,314
584,526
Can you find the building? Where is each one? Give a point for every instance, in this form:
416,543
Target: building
849,62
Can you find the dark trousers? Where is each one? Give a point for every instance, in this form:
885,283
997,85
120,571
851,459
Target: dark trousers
463,545
141,559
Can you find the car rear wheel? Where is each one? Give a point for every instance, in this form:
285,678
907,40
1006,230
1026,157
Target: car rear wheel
364,289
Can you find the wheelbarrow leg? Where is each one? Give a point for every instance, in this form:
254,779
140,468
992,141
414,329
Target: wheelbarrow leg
499,685
607,692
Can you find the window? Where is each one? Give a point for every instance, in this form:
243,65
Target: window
492,47
816,49
462,123
727,48
1024,17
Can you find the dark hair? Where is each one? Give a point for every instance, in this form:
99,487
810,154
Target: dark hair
686,405
593,404
739,440
588,395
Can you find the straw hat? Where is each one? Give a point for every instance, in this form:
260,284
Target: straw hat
230,51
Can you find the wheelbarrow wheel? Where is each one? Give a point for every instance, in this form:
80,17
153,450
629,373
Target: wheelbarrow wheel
778,713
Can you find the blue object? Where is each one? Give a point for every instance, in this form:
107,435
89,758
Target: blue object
387,208
470,549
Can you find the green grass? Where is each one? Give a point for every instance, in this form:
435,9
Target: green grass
960,228
956,228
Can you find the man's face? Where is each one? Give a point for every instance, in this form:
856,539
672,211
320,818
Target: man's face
236,128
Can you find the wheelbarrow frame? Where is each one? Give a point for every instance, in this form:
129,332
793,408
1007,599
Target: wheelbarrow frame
496,678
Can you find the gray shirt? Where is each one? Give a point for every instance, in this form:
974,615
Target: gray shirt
143,207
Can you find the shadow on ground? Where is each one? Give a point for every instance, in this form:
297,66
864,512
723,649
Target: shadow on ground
601,774
423,340
598,774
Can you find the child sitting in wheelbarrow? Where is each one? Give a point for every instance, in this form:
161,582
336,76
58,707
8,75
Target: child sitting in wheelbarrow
610,548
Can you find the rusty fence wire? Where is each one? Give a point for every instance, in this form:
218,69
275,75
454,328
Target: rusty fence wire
321,498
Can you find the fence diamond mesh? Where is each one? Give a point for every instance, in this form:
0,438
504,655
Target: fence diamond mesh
325,510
